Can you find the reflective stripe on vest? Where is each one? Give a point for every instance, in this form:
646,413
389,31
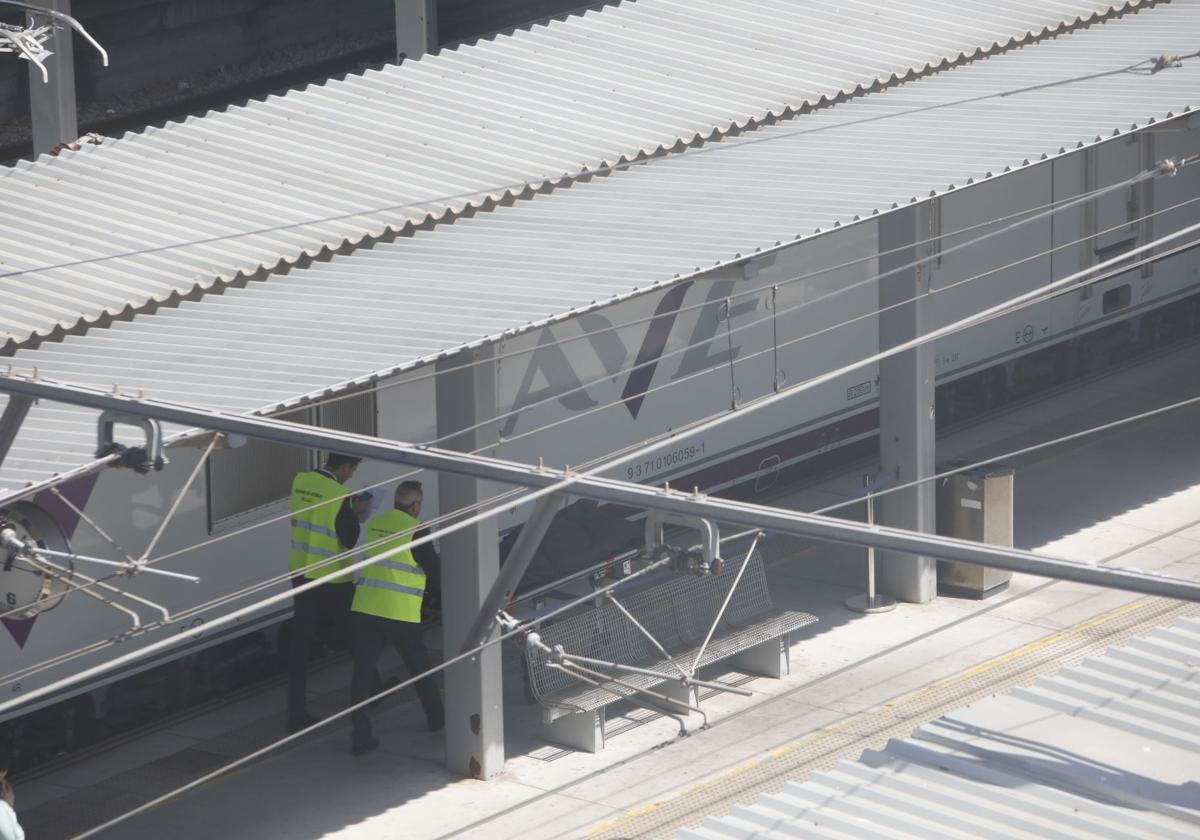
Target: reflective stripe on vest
401,566
316,500
386,584
314,527
312,550
393,587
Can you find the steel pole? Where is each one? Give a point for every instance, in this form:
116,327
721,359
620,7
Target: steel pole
870,603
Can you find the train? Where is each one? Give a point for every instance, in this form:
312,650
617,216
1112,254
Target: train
598,381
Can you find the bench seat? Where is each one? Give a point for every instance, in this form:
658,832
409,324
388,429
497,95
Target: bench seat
752,636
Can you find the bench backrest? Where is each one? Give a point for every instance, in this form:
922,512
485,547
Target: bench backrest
598,632
677,612
697,600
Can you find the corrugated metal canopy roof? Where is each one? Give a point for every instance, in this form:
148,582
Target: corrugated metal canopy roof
1108,748
262,345
96,233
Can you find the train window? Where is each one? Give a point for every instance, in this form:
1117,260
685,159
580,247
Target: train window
1115,249
254,474
260,473
1117,299
349,413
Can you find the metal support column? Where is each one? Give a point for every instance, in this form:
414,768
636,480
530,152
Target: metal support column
52,103
906,419
10,422
466,395
416,28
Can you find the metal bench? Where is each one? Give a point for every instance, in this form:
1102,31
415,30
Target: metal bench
752,637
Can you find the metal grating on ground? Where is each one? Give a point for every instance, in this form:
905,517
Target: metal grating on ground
821,749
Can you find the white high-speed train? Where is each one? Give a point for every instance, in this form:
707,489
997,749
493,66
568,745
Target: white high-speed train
597,382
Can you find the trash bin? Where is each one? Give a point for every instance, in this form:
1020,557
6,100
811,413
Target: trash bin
975,505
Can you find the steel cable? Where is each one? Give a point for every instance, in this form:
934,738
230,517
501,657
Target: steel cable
715,367
569,479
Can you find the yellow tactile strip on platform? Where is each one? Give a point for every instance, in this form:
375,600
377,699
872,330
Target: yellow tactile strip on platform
822,748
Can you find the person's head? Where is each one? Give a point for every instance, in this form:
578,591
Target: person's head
341,467
409,496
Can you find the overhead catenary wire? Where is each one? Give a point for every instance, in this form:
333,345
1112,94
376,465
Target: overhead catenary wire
85,469
1113,186
530,182
1107,426
279,518
525,627
774,348
1030,215
341,713
743,359
266,750
210,541
1016,453
740,360
705,372
569,479
258,586
889,491
186,613
983,462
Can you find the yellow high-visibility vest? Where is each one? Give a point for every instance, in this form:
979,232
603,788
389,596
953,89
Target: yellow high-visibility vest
392,588
316,500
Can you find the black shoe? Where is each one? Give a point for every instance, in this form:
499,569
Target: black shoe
364,747
304,721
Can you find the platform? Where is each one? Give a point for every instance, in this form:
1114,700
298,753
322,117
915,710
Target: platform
1129,498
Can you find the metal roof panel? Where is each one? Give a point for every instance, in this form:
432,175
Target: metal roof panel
1011,766
154,217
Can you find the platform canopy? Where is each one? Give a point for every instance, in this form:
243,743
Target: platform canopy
166,214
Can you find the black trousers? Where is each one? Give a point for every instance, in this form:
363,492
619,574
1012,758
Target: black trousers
327,609
369,634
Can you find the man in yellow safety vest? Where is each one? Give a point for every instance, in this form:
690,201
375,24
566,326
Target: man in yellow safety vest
324,523
387,610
